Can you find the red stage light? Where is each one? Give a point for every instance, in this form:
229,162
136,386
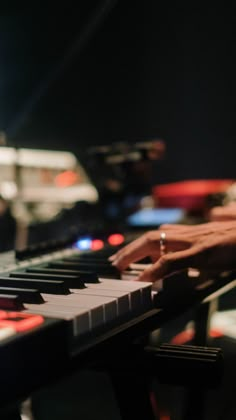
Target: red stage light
116,239
97,244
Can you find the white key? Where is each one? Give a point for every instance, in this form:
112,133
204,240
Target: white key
135,271
105,304
145,288
81,320
96,313
70,306
139,267
134,297
122,298
142,288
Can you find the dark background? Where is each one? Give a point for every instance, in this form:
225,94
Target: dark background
107,71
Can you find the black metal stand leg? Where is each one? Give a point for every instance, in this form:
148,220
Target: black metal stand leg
202,321
195,397
132,393
195,404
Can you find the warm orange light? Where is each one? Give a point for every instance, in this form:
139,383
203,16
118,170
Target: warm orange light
97,244
66,179
116,239
215,333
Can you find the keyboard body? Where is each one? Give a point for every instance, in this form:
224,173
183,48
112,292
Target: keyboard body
88,317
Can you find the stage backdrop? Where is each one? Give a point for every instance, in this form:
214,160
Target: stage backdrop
123,71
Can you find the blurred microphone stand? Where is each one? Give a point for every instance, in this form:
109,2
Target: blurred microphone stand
21,238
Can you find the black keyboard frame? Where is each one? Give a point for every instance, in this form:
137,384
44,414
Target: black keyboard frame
23,358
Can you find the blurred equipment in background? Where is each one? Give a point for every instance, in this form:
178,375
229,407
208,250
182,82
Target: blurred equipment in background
48,194
39,185
195,196
130,178
7,226
123,174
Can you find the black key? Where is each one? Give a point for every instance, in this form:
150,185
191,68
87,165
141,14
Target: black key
11,303
101,269
26,295
86,276
88,258
63,265
105,252
100,262
73,282
43,286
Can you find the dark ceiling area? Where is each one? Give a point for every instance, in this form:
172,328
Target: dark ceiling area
107,71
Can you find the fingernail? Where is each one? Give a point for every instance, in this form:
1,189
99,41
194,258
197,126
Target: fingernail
113,262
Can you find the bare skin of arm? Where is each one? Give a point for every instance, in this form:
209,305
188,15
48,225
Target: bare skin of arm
224,213
208,246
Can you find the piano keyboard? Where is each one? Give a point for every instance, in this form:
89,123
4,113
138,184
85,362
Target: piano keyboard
91,297
56,312
81,288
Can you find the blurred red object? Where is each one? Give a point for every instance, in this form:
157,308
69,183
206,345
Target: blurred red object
189,195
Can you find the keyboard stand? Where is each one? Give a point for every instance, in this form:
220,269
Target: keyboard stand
132,391
131,378
195,397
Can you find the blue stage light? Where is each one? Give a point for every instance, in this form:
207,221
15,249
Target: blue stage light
84,244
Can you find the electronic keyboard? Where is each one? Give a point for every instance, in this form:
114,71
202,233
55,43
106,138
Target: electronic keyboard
65,307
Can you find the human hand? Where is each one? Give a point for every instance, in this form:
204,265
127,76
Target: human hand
208,246
222,213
